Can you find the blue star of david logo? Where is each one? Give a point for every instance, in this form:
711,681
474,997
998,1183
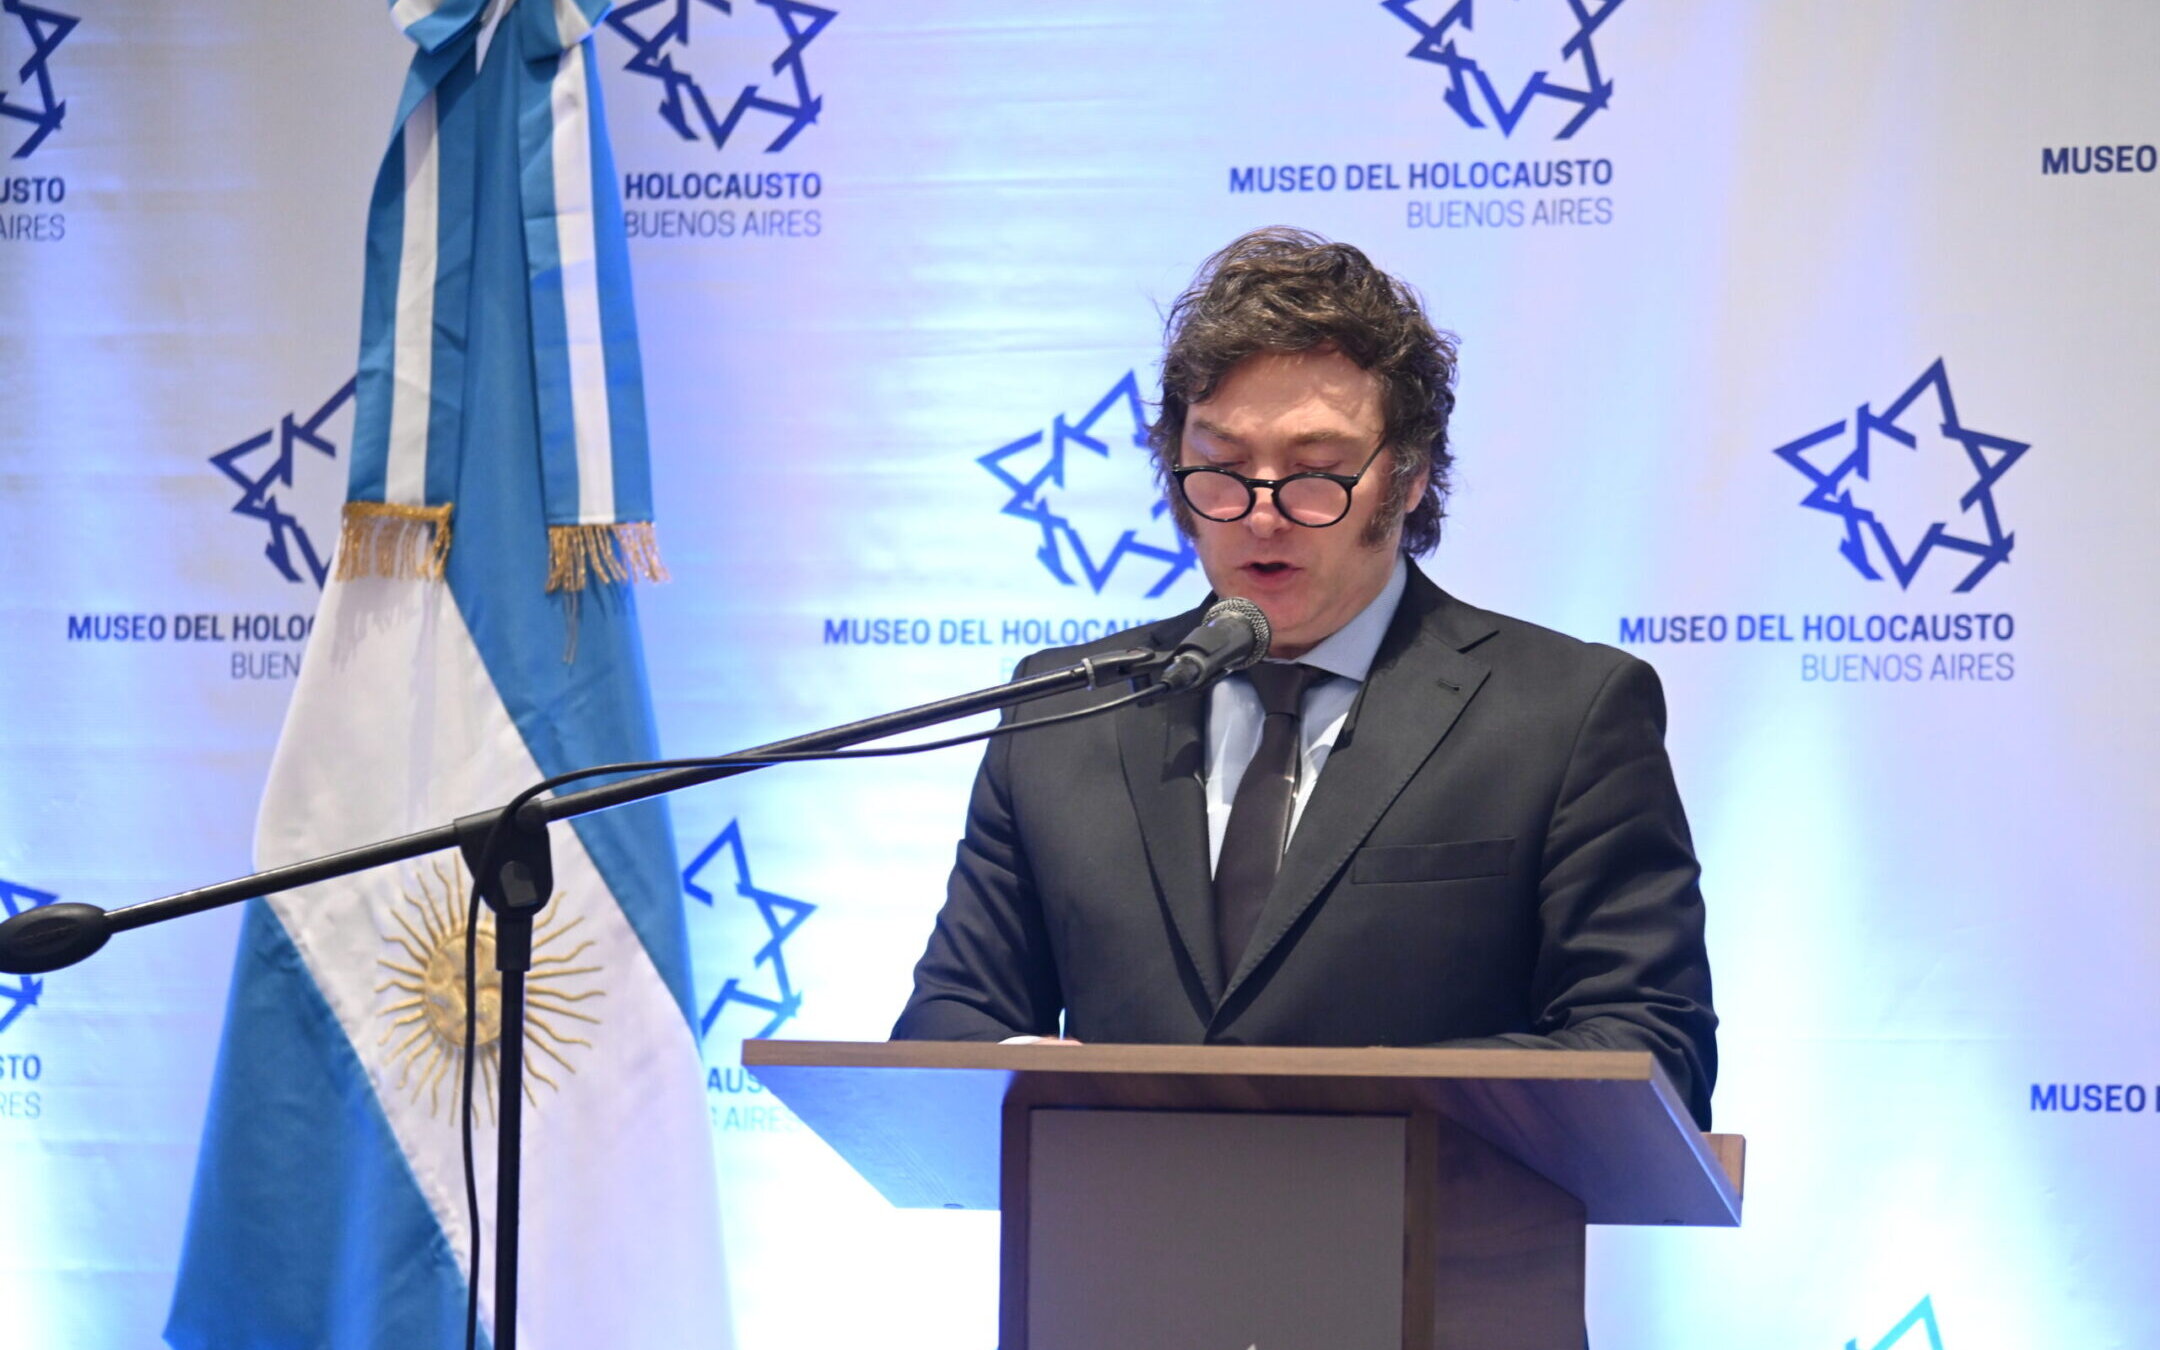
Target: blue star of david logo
22,995
782,917
46,29
1437,43
1034,497
1990,457
686,107
258,492
1922,1316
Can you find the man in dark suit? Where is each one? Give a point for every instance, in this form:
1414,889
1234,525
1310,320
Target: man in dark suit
1419,823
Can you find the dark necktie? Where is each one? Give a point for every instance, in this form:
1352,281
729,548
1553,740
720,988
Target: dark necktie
1259,827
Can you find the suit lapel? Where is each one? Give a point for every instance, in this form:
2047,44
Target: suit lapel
1161,749
1421,680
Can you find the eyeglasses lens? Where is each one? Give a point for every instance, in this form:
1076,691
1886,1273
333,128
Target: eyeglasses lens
1216,496
1313,501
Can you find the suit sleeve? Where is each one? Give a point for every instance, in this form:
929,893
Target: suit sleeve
988,972
1621,960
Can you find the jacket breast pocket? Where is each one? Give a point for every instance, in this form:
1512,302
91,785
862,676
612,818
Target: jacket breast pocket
1433,862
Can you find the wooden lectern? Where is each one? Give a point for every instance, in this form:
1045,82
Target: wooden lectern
1162,1197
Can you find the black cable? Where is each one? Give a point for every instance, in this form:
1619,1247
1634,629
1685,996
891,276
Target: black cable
489,847
465,1107
752,760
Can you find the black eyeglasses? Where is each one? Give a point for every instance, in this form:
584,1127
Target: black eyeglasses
1312,498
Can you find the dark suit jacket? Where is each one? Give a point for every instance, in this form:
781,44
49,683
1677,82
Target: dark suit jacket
1494,853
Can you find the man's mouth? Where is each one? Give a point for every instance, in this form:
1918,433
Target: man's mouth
1270,574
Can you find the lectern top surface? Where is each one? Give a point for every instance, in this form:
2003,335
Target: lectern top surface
1292,1061
920,1119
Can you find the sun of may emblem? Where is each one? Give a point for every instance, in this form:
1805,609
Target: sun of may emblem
426,990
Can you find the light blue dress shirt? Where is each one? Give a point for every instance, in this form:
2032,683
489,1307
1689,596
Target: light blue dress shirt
1234,714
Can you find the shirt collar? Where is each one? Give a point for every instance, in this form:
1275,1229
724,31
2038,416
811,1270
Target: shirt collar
1349,650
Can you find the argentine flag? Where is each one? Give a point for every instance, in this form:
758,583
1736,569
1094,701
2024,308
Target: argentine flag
476,635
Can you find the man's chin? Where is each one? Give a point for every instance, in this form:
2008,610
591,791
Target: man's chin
1288,634
1285,616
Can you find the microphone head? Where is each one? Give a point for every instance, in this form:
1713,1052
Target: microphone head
1232,635
50,937
1237,608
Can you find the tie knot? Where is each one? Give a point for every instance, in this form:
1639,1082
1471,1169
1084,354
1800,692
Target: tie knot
1282,685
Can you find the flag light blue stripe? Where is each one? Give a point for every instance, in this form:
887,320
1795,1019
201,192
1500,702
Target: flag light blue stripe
457,109
550,328
594,708
448,73
295,1136
378,328
631,465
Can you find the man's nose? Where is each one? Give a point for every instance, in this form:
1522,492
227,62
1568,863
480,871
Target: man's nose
1266,517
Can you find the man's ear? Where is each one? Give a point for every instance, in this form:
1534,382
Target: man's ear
1416,493
1410,502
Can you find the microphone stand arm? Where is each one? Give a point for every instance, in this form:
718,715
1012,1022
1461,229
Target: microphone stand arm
1137,664
507,854
55,936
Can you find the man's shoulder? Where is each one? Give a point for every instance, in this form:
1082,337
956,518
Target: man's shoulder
1535,639
1520,647
1552,679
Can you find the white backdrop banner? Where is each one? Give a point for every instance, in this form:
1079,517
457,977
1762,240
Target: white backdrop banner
1807,353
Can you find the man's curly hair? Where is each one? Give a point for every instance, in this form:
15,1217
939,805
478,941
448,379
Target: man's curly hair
1289,290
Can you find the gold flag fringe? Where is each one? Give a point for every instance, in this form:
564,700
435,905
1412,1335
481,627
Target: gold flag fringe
389,539
578,554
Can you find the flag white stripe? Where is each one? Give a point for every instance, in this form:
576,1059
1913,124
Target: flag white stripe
571,25
571,147
412,357
624,1131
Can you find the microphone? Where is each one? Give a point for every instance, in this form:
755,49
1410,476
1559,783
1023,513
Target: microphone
50,937
1233,635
